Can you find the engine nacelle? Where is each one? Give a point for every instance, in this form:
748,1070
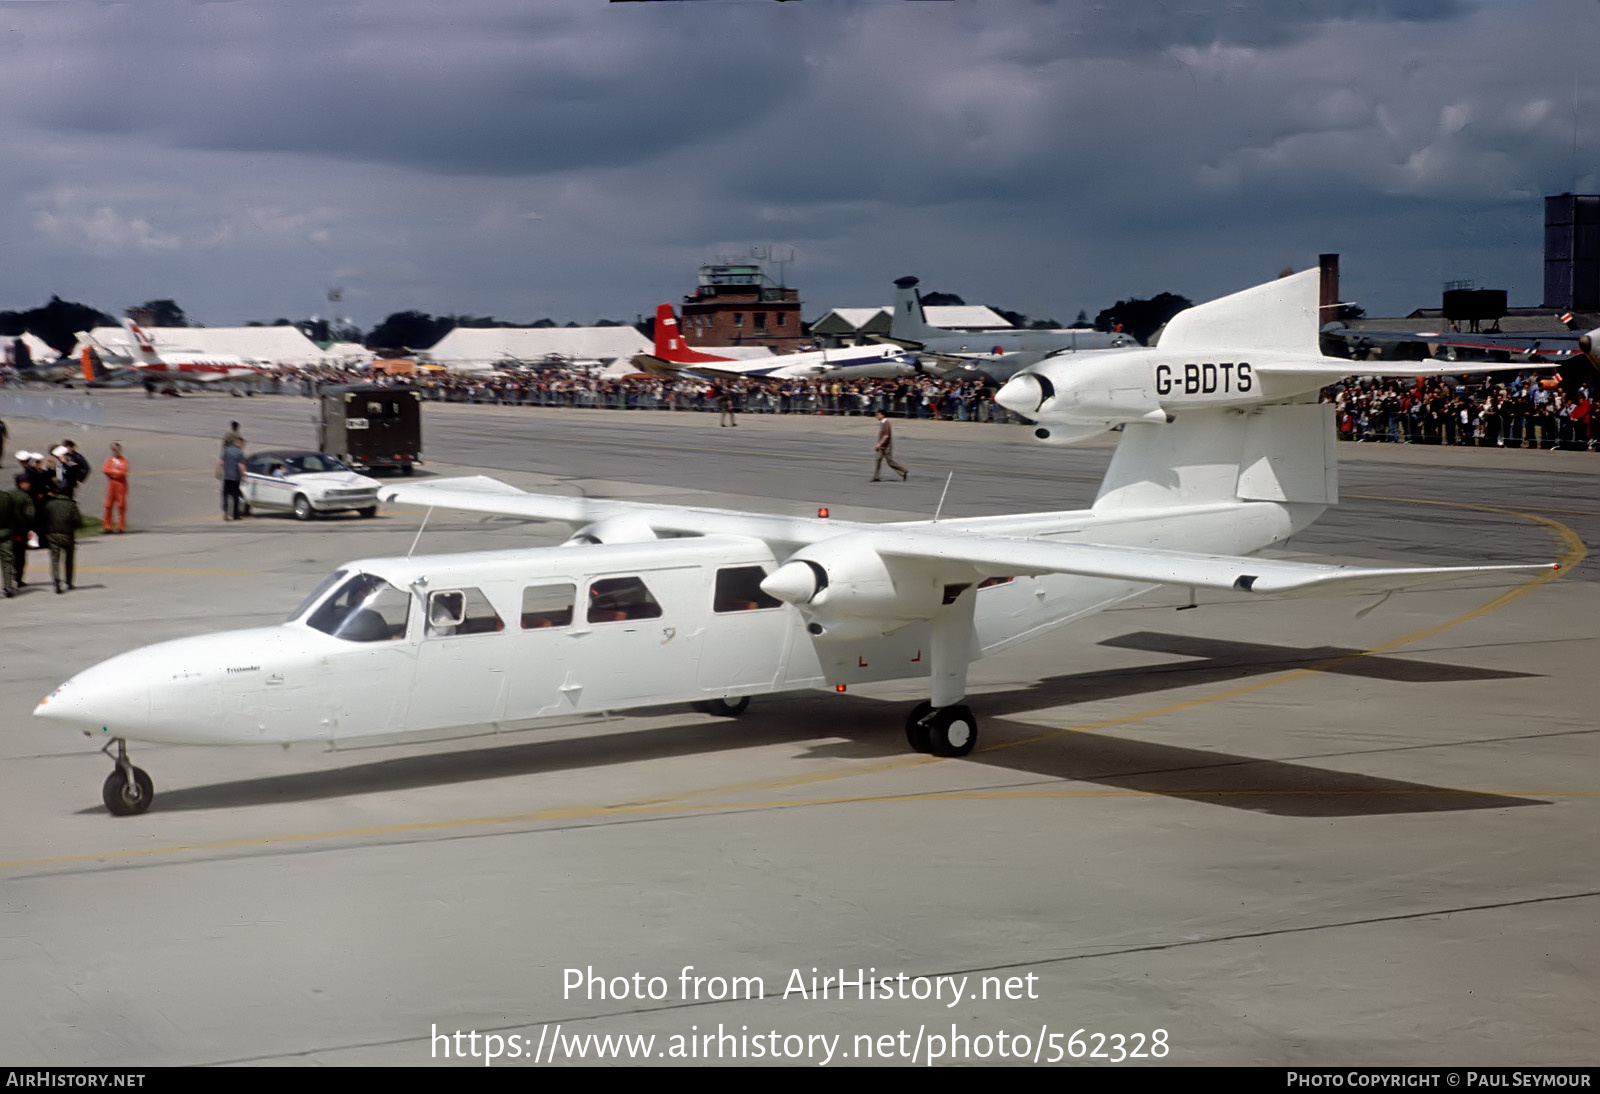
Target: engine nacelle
846,590
1073,399
621,529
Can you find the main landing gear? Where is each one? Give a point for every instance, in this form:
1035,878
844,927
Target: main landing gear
948,731
127,790
942,726
723,708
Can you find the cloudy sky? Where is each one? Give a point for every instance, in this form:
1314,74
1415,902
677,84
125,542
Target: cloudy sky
580,159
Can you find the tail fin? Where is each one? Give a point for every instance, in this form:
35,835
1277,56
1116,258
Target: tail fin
670,345
143,349
909,324
1280,316
86,358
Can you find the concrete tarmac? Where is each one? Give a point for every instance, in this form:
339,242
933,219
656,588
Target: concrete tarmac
1276,832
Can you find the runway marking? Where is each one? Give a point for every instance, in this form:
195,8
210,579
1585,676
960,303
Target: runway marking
1574,552
593,812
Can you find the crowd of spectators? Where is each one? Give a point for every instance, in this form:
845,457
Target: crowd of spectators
1528,410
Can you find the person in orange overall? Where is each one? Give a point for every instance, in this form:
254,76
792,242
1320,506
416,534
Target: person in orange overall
116,472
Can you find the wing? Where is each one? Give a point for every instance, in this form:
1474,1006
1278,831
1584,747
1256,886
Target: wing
1236,573
993,554
481,494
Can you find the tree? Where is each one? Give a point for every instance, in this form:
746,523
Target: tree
941,300
58,322
1141,318
409,330
162,313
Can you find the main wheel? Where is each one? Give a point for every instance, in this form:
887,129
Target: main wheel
916,732
952,731
724,708
408,470
124,798
244,508
369,511
302,507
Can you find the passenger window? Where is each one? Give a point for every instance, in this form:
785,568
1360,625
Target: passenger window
548,605
461,611
616,599
739,590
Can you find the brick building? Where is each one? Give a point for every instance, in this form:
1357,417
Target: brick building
740,305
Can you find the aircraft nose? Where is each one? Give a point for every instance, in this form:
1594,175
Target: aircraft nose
98,702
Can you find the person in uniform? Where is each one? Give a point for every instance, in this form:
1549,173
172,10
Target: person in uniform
16,517
115,469
885,450
61,518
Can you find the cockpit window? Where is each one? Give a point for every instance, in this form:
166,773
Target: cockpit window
365,609
327,583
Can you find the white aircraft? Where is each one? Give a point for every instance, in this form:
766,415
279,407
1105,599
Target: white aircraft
672,354
1222,453
165,371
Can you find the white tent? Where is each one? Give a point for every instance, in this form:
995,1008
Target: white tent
471,349
265,345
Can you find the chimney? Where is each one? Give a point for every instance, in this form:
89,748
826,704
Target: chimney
1329,298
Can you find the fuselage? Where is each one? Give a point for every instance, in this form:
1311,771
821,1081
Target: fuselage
500,639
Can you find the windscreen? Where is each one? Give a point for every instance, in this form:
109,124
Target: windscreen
313,462
364,609
316,594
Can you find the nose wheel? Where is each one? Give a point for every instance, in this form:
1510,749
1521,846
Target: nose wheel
127,790
947,731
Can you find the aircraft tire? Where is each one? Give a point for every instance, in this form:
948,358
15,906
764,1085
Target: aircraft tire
952,731
123,799
369,511
302,508
916,733
723,708
408,470
244,509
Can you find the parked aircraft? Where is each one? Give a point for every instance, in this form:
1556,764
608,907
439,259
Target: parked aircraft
909,328
166,370
673,354
1220,456
1550,347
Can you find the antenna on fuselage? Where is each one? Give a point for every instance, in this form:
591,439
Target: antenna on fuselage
420,527
940,507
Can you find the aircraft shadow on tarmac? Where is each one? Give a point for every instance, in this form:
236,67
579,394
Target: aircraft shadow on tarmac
872,730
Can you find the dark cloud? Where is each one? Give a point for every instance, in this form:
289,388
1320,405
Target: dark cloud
580,159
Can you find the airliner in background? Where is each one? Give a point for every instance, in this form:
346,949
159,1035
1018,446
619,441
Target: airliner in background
673,355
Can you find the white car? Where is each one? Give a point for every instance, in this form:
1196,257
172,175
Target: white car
305,483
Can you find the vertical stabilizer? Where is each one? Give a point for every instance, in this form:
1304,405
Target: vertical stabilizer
1276,453
669,341
1280,316
908,324
144,351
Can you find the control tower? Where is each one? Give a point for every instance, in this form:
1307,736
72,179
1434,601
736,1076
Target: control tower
739,305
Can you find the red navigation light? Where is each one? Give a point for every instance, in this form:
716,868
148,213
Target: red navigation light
823,512
838,687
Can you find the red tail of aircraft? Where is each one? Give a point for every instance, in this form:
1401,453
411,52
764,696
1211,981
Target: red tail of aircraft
670,345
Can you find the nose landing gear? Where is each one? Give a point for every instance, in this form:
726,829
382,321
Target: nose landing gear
127,790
